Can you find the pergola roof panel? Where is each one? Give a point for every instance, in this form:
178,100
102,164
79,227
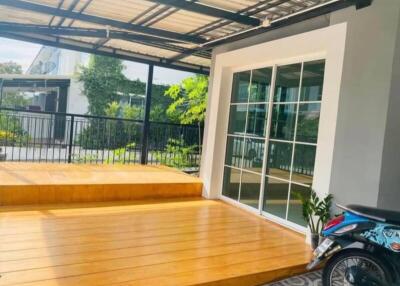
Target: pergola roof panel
125,10
141,48
197,60
23,17
171,33
232,5
183,21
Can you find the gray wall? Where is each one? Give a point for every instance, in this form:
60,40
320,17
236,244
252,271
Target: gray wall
363,106
389,189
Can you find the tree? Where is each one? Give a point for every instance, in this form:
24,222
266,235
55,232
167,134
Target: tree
189,100
103,82
112,109
158,114
10,68
131,112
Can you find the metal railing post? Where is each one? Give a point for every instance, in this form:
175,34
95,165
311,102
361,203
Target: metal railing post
1,91
71,139
146,121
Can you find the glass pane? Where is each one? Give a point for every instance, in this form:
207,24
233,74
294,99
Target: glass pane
283,121
279,159
250,189
275,197
237,119
287,83
234,151
240,88
256,119
307,123
260,85
295,207
231,184
303,164
253,155
313,79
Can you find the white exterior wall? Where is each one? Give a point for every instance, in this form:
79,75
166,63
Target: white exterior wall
358,131
77,102
64,63
69,63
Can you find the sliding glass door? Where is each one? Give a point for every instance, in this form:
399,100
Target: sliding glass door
272,137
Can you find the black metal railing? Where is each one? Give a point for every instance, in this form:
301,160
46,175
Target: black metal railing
38,136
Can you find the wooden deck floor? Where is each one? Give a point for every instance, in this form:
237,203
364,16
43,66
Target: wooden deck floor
168,242
33,183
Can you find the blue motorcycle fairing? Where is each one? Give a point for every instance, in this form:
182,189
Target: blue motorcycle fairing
349,218
384,234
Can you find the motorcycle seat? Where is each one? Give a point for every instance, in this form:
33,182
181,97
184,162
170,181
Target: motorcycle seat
387,216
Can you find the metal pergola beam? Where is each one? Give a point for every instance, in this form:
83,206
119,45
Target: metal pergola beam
43,9
210,11
60,4
146,120
265,5
75,45
28,82
70,8
80,32
323,10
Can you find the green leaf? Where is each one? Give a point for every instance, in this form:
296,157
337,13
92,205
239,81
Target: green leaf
189,99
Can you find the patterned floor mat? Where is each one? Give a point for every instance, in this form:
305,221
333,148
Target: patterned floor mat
308,279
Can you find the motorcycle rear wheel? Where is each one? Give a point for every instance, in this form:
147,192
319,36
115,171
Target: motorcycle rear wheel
337,271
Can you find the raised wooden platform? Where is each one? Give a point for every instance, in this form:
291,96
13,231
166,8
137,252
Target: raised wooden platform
37,183
167,242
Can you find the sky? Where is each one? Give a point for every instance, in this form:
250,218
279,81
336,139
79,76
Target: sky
19,52
24,53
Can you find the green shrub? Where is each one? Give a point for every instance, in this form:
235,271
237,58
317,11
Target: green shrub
177,155
11,130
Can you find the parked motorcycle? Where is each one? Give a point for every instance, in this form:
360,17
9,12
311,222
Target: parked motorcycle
361,248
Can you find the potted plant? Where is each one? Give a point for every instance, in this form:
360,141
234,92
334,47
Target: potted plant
316,212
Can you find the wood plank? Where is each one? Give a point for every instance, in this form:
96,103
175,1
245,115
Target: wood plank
247,236
52,174
13,255
180,242
30,183
80,209
103,222
77,230
195,231
110,271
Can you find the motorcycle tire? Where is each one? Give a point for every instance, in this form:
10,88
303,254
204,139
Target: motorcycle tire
333,262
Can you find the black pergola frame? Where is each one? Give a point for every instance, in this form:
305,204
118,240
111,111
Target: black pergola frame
51,35
210,11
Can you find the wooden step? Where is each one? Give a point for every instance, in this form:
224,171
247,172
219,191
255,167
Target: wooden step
38,183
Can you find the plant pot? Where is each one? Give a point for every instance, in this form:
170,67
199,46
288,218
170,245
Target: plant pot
315,238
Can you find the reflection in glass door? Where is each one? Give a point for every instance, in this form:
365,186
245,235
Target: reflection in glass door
272,137
246,136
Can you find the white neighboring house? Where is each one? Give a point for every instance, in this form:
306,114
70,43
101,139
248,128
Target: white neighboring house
54,61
